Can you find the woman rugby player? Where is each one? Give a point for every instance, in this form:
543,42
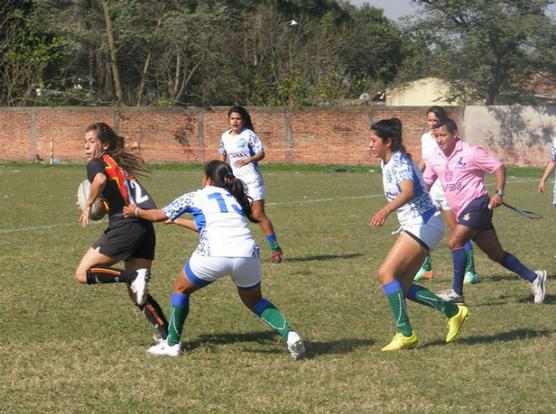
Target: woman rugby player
422,230
243,149
130,240
226,247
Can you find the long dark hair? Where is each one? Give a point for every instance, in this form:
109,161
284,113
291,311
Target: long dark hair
222,176
245,117
130,162
390,128
438,111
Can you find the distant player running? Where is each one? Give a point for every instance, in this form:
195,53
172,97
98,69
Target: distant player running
428,147
549,170
226,247
460,168
422,230
130,240
243,149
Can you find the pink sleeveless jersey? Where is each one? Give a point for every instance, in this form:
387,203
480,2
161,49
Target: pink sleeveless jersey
461,174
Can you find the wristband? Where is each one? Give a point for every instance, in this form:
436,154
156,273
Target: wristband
136,212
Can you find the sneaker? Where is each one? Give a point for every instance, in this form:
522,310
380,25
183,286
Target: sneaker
538,286
139,286
423,274
295,345
277,257
471,278
162,348
456,322
450,295
400,341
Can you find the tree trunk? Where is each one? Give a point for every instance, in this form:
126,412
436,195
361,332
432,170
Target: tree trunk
112,48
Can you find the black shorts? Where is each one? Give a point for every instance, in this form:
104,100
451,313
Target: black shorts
124,239
476,215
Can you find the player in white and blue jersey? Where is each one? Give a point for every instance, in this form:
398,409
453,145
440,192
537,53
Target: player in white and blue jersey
226,247
549,170
243,149
422,229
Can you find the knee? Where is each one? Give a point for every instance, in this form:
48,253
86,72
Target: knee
384,276
81,275
454,243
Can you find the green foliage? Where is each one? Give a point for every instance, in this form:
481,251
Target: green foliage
488,50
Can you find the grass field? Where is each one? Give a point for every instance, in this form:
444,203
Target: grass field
72,348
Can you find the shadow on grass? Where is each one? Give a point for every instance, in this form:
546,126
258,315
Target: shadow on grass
343,346
230,338
322,257
548,299
515,335
270,338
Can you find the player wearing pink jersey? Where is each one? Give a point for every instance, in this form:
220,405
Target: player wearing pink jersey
428,147
460,168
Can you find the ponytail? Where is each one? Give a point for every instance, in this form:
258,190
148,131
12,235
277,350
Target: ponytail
222,176
390,128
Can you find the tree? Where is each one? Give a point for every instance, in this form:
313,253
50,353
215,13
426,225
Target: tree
487,50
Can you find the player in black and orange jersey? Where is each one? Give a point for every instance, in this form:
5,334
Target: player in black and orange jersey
111,171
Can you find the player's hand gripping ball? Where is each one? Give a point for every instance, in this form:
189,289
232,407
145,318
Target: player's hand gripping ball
98,209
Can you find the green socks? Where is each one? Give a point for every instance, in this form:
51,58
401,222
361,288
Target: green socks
423,296
179,308
272,316
394,293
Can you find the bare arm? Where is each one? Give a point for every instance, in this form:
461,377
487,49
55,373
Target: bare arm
98,184
547,173
500,177
188,224
255,158
407,191
154,214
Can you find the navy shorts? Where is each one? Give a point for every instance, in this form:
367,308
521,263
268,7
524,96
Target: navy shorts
124,239
476,215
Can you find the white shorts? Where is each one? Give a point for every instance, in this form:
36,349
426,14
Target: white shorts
429,234
255,191
203,270
440,203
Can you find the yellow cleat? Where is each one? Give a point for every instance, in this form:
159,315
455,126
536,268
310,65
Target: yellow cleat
456,322
400,341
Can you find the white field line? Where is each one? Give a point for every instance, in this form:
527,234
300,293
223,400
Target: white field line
275,204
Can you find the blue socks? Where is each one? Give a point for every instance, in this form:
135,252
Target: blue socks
459,260
512,263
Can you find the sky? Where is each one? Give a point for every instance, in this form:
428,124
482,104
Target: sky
394,9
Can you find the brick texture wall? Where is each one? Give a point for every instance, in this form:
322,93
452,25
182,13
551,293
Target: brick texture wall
305,135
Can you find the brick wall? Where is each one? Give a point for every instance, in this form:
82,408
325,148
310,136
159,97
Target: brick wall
305,135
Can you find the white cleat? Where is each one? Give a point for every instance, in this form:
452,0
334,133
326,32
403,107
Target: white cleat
139,286
162,348
295,345
538,286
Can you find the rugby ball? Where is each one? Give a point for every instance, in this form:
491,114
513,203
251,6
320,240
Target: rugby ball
98,209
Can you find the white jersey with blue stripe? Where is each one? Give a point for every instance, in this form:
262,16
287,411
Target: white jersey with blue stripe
220,221
402,168
244,145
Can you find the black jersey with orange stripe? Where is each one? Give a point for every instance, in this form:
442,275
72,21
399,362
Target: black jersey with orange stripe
121,188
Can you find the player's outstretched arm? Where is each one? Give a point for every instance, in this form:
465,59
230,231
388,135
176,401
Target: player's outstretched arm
188,224
154,214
